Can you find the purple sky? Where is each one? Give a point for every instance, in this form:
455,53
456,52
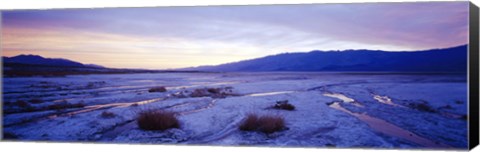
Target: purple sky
172,37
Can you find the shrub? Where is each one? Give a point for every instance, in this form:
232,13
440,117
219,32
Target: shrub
157,120
266,124
107,114
284,105
157,89
250,123
270,124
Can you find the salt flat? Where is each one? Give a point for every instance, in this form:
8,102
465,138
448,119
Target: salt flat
332,109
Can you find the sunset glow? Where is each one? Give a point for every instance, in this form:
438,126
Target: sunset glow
175,37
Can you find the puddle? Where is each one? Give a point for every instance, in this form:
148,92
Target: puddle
144,102
385,100
343,98
268,93
387,128
339,96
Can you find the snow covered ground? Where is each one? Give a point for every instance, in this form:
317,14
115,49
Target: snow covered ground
332,109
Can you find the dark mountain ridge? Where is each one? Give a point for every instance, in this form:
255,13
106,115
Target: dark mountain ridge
452,59
34,65
39,60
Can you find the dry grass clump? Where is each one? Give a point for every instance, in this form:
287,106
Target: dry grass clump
284,105
266,124
158,89
157,120
250,123
270,124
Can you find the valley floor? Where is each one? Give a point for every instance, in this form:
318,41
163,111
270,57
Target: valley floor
332,109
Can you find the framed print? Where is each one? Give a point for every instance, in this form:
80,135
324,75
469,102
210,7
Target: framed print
401,75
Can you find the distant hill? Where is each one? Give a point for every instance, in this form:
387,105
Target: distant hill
34,65
436,60
39,60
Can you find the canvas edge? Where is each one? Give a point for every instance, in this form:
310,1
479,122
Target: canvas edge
473,77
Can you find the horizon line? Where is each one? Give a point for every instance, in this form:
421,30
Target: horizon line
423,50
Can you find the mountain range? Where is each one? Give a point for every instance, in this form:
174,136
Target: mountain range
448,60
41,61
452,59
34,65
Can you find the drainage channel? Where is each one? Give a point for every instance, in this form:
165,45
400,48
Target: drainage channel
387,128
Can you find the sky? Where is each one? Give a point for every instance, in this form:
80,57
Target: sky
176,37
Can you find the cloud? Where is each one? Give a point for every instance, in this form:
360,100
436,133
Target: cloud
233,33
